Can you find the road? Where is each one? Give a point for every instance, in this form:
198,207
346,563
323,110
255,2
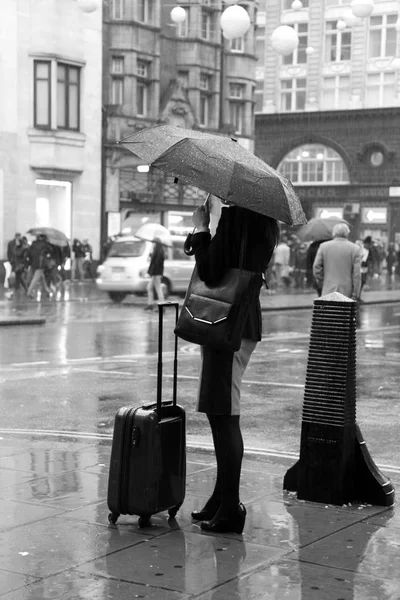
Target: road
91,357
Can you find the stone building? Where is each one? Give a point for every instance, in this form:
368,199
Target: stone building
156,71
328,115
50,118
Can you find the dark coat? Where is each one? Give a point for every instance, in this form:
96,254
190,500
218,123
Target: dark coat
215,256
156,266
78,249
37,253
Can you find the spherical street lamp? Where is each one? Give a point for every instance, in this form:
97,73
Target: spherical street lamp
234,21
284,40
341,25
88,6
310,50
178,14
362,8
297,5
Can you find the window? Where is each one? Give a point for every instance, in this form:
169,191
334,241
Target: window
260,45
204,109
183,79
205,24
117,90
117,65
145,8
381,90
382,36
42,94
236,90
117,11
299,55
314,164
66,112
142,90
182,29
288,4
337,2
293,94
68,83
259,95
336,92
204,81
337,43
142,68
237,44
236,112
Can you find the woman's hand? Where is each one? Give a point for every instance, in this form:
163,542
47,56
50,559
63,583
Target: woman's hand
201,217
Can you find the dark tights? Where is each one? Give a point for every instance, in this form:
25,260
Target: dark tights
228,444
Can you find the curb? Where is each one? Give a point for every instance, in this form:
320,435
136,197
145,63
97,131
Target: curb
22,321
310,306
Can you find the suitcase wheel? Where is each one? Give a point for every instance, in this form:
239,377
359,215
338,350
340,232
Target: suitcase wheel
113,518
144,520
172,511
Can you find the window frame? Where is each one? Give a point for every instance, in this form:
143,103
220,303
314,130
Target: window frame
339,34
330,161
114,61
119,80
142,83
293,58
140,63
68,69
288,4
383,28
237,105
336,90
239,42
115,10
145,11
35,94
293,92
205,14
204,97
381,88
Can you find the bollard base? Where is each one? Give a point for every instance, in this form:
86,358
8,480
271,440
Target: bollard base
357,481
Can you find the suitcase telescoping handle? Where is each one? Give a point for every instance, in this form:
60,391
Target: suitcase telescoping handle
161,307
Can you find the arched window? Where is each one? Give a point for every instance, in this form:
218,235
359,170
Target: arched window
314,164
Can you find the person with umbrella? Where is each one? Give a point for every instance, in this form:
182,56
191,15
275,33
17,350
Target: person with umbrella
222,371
37,255
156,271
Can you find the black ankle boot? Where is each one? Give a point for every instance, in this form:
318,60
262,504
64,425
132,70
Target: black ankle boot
205,514
234,523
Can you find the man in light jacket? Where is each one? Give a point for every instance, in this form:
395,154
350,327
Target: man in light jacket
337,266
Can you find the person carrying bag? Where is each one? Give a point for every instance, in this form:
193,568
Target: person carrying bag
243,243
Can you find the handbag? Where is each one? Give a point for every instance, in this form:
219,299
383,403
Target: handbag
215,315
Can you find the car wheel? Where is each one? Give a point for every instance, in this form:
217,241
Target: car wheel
166,287
117,296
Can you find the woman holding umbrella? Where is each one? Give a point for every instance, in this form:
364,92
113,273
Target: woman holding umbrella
156,271
222,371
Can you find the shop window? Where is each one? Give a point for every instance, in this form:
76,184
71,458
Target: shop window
54,205
314,164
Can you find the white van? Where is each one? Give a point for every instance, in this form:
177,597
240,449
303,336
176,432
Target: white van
125,269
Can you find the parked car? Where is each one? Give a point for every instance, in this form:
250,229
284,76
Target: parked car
125,269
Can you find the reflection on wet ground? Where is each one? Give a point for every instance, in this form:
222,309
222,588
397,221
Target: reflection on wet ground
56,542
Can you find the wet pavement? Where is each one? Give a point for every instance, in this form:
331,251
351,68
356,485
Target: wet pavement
56,543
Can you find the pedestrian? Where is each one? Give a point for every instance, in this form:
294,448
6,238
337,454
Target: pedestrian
222,371
8,264
300,266
281,263
368,261
21,263
79,255
37,255
391,260
156,271
311,254
337,266
87,260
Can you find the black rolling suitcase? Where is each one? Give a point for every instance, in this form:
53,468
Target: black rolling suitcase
148,456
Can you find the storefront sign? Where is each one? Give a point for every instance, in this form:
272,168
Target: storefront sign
394,192
374,214
341,192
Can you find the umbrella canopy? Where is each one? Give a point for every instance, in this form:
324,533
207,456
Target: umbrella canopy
152,231
319,229
55,237
220,166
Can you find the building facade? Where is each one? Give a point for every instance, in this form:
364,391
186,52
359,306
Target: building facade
328,115
50,119
157,71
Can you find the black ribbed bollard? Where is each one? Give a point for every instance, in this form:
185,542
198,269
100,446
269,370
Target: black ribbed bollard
335,466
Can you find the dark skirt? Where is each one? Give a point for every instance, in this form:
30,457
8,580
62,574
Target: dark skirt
221,376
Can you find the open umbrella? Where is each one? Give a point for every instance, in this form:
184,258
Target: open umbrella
318,229
220,166
152,231
55,237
